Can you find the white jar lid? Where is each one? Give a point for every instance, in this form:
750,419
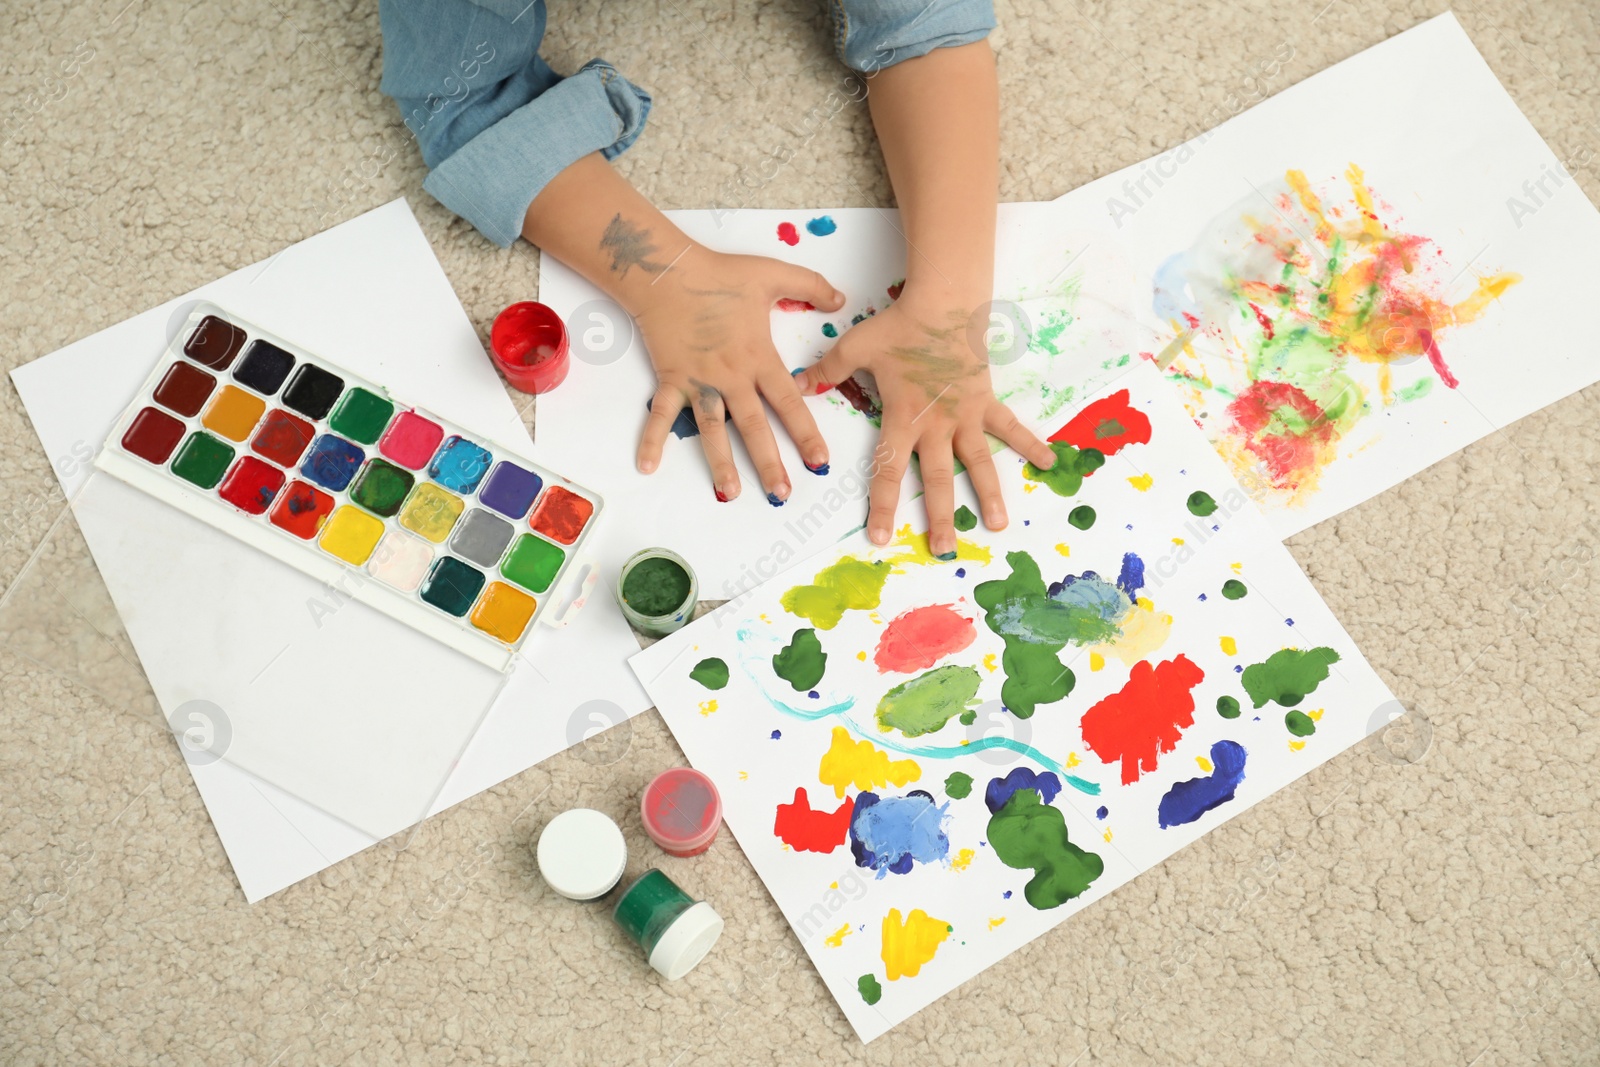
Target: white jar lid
686,942
581,854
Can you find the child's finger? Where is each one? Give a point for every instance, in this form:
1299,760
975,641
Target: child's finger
711,416
665,405
939,495
751,418
799,283
889,461
840,361
974,453
1004,424
780,391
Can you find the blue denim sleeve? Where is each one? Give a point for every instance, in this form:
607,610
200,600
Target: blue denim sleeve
870,35
493,121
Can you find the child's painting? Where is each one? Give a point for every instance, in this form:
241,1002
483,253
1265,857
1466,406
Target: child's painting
932,761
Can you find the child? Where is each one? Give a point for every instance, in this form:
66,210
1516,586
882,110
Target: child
515,148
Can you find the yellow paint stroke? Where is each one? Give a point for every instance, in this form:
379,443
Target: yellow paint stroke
849,585
916,550
1205,764
707,707
1028,487
1072,760
1064,548
862,655
1230,647
833,885
909,944
763,618
994,923
1144,630
1096,661
1315,716
1107,835
836,939
1238,568
1371,227
1296,746
877,620
963,859
863,765
989,662
744,776
1142,482
1178,541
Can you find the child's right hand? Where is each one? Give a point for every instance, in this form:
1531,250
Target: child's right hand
706,322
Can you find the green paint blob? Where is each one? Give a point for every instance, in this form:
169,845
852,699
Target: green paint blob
1228,707
711,673
1201,504
1082,516
1417,390
925,703
958,786
1072,466
361,416
1027,834
202,459
657,586
1045,337
829,330
1234,589
870,990
1288,675
965,519
1299,723
1034,629
802,661
849,585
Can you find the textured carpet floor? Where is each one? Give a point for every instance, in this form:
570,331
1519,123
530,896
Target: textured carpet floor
1435,906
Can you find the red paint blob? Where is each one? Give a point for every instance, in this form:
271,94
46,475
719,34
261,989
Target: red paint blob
282,437
1107,426
560,515
251,485
411,440
529,344
152,435
805,830
184,389
917,639
302,510
682,811
1266,416
788,234
795,305
1266,323
1145,718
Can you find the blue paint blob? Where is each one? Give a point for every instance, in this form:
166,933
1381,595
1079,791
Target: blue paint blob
821,226
776,734
813,695
1101,812
1007,894
961,572
1186,801
772,498
1131,580
890,834
1046,784
1202,596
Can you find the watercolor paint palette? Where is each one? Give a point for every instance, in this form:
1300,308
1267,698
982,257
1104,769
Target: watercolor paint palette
462,539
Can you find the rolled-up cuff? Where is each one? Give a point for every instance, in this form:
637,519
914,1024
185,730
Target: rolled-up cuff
870,35
491,180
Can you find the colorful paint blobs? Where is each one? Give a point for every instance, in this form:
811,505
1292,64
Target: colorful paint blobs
801,662
711,673
361,416
1299,723
964,519
910,943
1013,608
848,585
400,561
152,435
1234,589
806,830
302,509
351,534
510,489
532,563
281,437
1082,516
925,703
821,226
214,342
1186,801
891,834
1072,466
411,441
871,992
561,515
788,234
863,765
1228,707
917,639
460,465
1287,676
184,389
999,791
1200,504
503,612
264,367
1145,718
233,413
451,586
251,485
332,462
1107,426
432,512
1028,834
958,786
202,460
312,391
381,487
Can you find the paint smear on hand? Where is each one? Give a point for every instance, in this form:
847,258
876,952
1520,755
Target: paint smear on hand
1029,835
787,304
1145,718
910,943
1107,426
917,639
806,830
925,703
863,765
788,234
711,673
1186,801
1288,675
891,834
848,585
1072,466
801,662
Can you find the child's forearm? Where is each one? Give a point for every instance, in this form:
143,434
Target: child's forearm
938,121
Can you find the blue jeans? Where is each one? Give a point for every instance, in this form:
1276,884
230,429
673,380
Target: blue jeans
495,124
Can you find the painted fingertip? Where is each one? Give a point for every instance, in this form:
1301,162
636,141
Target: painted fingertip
775,500
722,497
818,468
822,387
946,556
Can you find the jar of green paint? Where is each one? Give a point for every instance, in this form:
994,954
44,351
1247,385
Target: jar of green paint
657,591
675,930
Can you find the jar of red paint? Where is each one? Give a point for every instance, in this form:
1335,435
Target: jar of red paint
682,811
529,343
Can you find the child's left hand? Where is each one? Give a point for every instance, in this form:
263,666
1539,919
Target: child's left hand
937,401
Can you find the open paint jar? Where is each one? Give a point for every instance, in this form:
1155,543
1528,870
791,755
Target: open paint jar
657,591
581,854
675,930
682,811
529,344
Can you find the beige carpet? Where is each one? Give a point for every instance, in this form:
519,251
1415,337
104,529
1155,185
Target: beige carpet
1436,906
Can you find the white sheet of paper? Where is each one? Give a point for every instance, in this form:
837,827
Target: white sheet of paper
1448,157
590,427
371,294
921,892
